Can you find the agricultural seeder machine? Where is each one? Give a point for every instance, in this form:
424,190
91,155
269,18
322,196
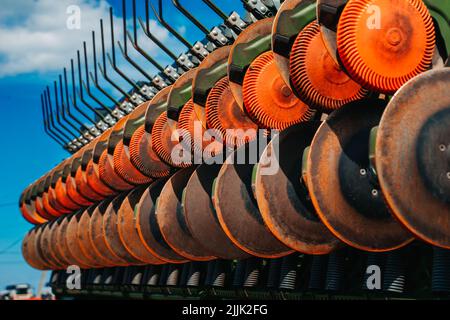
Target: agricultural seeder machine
299,151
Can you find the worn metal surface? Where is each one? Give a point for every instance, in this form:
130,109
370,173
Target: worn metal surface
126,224
342,186
201,218
172,222
283,198
148,228
413,156
238,211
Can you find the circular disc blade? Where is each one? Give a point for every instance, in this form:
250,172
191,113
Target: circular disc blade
413,156
172,221
201,217
148,228
46,247
127,231
85,242
74,242
96,234
296,224
111,232
341,185
238,212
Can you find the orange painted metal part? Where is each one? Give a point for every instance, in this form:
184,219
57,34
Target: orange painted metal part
125,169
268,100
224,115
94,181
316,78
382,51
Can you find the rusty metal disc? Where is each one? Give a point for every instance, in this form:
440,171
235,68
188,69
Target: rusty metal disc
111,232
59,239
238,211
172,221
283,198
342,187
384,43
211,69
96,234
41,253
201,218
84,189
85,242
46,246
30,252
148,228
292,17
73,241
128,233
55,224
413,156
109,176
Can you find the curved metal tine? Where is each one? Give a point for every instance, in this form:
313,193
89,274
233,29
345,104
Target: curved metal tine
52,120
148,33
216,9
73,98
95,79
61,112
87,84
81,95
104,71
47,129
124,49
190,17
112,61
66,105
167,25
57,116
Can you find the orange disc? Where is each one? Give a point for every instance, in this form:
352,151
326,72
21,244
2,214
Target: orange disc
316,78
83,188
63,197
125,169
144,157
93,180
268,99
108,175
162,141
224,115
384,43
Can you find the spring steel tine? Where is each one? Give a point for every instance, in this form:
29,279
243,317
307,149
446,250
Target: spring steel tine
52,121
216,9
59,113
134,42
95,77
88,84
74,98
190,17
149,34
80,93
58,121
112,61
167,25
66,110
124,49
47,128
104,71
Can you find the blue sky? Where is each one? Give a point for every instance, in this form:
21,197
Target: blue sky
36,45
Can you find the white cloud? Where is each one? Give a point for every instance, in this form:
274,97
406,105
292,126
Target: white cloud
35,37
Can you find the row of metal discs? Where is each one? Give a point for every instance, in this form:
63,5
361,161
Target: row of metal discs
353,185
233,211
